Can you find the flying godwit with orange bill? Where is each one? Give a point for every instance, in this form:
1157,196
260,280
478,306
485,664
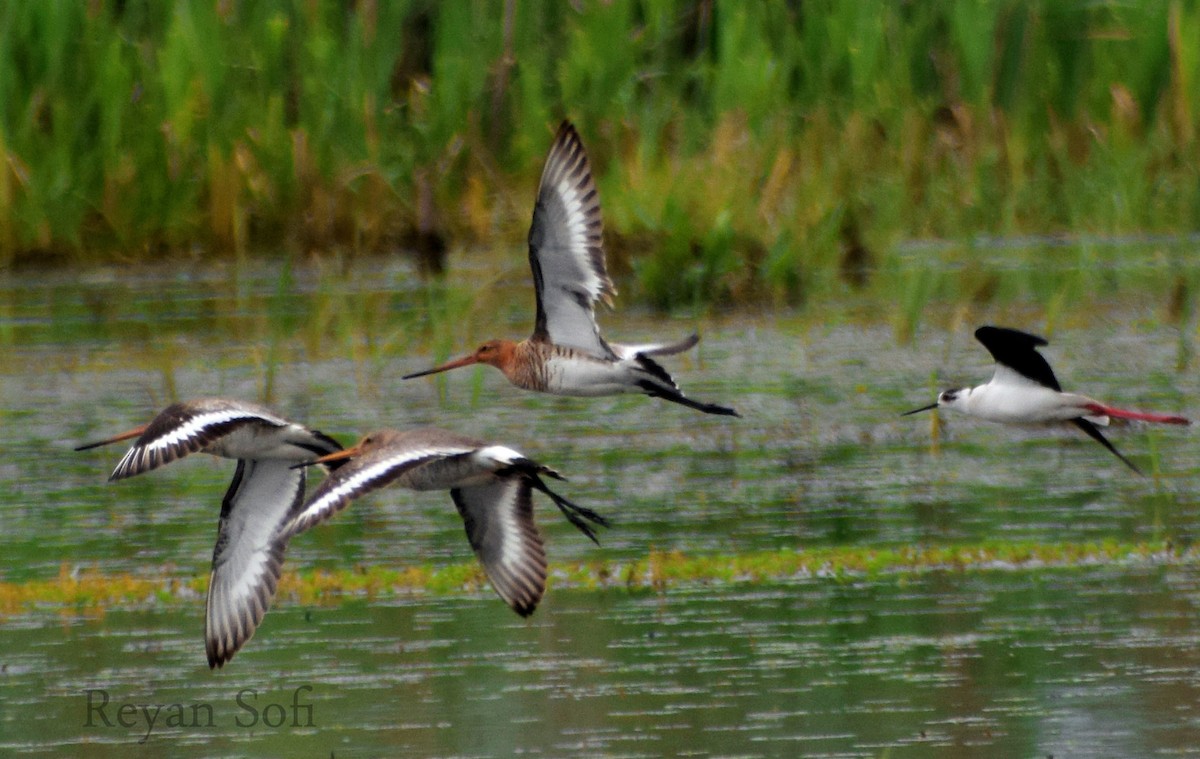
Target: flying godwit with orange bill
566,354
492,486
1024,391
266,493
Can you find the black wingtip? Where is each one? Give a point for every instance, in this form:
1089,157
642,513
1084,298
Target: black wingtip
215,660
999,335
566,128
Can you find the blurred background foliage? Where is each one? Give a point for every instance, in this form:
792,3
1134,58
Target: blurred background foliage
744,151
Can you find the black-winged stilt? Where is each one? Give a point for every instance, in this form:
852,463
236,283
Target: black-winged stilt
1024,391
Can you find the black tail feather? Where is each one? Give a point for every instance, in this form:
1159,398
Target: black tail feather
1094,433
655,369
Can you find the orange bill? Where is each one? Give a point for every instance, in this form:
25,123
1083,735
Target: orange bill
135,432
456,363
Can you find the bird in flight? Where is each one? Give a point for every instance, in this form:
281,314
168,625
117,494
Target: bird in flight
266,492
566,355
492,486
1024,391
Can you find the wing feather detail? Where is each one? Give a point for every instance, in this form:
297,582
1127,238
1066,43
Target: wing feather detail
1017,359
359,477
178,431
566,252
248,556
498,517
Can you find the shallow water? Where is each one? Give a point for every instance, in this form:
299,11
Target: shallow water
1074,663
1093,661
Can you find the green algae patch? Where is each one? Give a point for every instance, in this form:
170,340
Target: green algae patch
661,570
91,591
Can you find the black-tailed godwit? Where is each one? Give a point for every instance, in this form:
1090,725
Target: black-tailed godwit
566,355
491,485
266,492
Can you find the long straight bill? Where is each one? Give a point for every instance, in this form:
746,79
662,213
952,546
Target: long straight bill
135,432
341,455
464,361
930,407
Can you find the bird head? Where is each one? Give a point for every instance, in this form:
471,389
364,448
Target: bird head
952,398
497,353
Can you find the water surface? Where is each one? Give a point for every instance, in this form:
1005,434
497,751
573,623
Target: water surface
1092,661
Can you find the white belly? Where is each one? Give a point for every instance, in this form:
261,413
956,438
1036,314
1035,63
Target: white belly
1025,404
589,377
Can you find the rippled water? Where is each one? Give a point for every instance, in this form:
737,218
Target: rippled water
1098,661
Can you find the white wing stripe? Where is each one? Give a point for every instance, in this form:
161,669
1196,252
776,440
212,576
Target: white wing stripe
496,456
162,449
566,250
337,491
512,554
190,429
196,425
578,232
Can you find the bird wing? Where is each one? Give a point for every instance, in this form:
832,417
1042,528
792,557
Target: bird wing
498,517
1017,359
565,250
182,428
655,349
360,476
248,556
318,444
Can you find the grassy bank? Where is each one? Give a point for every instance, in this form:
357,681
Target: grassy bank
756,152
92,591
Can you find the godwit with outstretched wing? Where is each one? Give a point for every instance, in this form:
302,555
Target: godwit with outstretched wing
566,355
492,486
266,492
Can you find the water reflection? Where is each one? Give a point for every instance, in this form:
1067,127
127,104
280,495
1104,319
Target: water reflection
1063,663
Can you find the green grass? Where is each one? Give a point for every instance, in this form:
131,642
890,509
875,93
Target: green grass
769,152
659,571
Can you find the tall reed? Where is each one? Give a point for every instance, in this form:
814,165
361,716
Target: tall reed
744,151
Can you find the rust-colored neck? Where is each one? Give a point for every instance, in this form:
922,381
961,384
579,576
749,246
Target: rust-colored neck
523,363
